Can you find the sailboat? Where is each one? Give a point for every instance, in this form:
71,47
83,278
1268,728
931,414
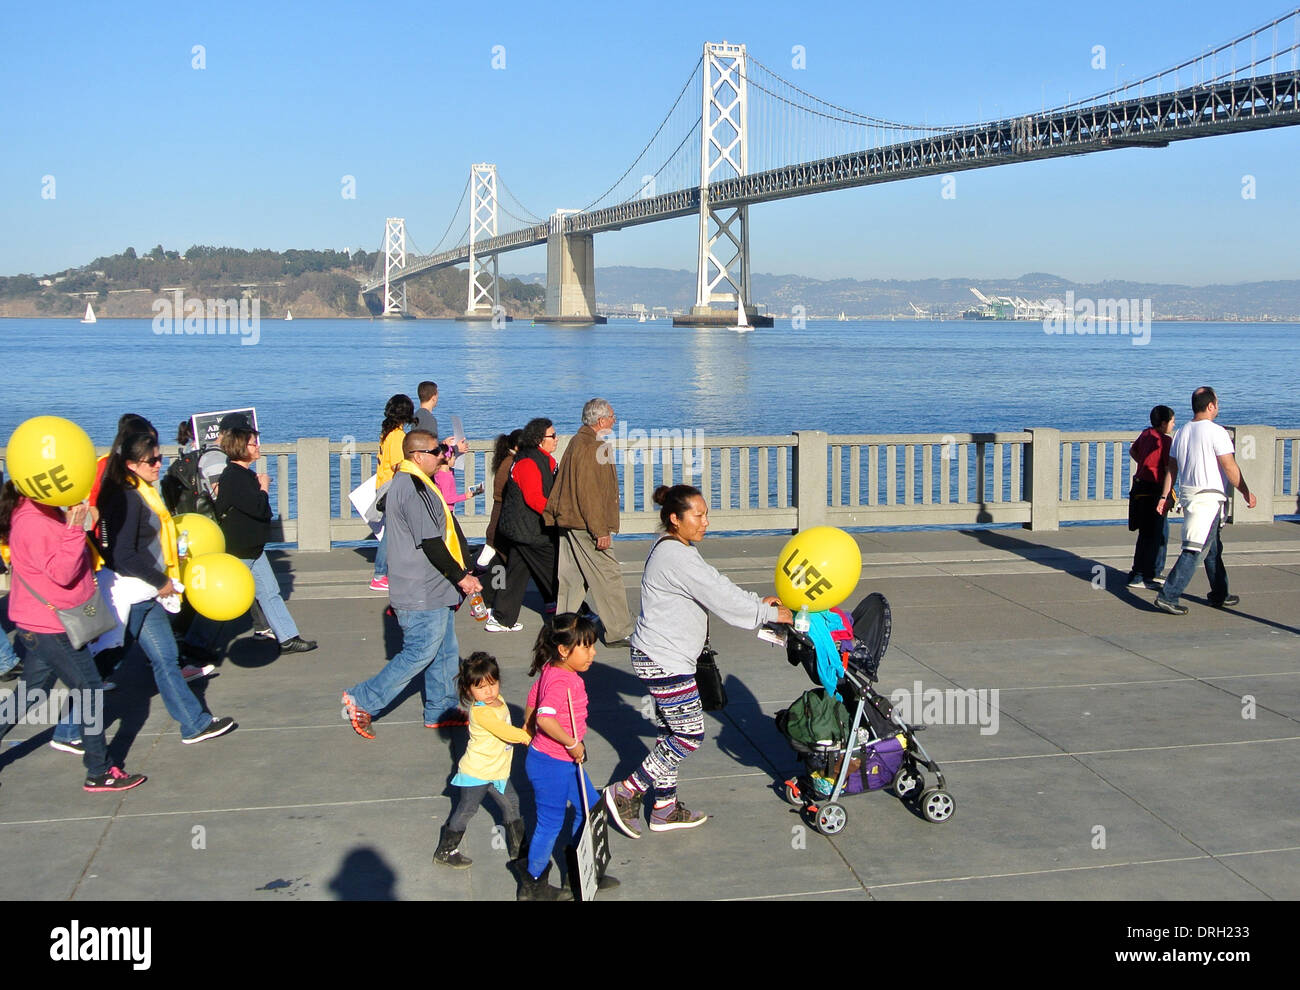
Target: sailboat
742,320
288,314
90,315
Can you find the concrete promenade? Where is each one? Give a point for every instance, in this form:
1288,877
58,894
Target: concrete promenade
1137,755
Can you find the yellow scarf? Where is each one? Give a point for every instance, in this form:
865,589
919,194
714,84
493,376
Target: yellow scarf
449,532
166,526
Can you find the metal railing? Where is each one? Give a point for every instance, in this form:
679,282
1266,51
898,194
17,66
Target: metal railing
1037,477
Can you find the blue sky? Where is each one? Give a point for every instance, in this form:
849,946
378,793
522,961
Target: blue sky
251,150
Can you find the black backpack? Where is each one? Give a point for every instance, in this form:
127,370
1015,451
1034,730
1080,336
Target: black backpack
183,486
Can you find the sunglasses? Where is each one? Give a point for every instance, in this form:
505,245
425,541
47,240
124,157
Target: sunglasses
551,436
152,461
436,452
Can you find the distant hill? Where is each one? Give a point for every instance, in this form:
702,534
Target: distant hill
314,284
620,287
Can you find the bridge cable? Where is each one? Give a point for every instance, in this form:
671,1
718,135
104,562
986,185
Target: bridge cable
1248,36
698,62
525,210
463,192
861,118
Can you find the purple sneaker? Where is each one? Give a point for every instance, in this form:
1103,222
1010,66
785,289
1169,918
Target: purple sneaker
625,808
675,815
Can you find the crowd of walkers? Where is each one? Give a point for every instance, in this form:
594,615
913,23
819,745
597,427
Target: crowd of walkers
552,523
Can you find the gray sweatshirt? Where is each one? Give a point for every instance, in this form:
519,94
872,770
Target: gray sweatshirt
677,586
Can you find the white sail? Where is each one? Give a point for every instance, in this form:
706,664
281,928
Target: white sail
90,314
288,314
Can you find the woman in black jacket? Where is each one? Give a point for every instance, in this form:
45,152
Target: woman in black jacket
140,546
528,543
243,510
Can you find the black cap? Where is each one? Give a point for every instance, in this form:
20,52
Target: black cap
234,421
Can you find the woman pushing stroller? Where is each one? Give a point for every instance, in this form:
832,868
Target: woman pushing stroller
678,588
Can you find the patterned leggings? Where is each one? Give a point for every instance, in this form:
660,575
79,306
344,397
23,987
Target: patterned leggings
681,727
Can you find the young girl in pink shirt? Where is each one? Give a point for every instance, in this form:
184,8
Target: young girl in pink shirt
445,479
563,651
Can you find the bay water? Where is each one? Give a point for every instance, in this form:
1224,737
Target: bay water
331,378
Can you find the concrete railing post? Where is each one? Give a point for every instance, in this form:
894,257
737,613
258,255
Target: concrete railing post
1256,450
1042,481
313,509
809,495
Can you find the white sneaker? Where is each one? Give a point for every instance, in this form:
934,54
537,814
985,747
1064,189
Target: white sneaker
192,673
492,625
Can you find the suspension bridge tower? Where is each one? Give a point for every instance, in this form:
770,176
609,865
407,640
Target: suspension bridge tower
722,287
394,262
484,299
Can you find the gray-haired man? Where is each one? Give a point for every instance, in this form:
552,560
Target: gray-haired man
584,505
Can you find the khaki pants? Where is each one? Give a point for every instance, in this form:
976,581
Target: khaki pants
587,573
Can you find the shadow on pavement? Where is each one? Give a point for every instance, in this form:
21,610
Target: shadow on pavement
363,876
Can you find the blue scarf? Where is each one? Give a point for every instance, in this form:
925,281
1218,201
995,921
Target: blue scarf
829,667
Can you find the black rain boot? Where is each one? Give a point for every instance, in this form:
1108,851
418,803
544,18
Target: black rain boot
516,839
448,852
540,889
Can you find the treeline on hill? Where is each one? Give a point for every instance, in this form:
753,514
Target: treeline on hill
445,293
319,283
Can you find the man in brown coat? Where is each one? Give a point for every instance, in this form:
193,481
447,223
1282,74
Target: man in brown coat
584,505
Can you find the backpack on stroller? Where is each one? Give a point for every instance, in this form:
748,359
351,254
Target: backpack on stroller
858,745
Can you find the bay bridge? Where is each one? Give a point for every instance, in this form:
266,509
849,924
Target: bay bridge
739,134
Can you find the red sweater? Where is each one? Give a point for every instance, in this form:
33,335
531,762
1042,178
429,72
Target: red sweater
529,480
53,559
1151,451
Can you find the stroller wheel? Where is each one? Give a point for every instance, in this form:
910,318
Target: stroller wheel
937,805
792,794
908,784
831,818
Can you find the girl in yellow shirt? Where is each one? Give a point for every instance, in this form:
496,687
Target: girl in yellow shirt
399,413
484,770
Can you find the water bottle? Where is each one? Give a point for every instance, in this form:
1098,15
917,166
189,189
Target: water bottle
183,544
801,621
476,607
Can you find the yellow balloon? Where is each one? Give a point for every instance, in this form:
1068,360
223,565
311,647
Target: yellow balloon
204,535
818,567
219,586
51,460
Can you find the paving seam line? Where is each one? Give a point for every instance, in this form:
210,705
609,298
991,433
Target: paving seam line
1214,857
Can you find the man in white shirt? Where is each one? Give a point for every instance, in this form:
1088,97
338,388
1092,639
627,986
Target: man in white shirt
1201,461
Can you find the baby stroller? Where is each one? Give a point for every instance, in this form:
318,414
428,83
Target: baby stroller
874,749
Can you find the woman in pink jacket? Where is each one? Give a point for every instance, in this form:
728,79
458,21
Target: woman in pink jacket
51,559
